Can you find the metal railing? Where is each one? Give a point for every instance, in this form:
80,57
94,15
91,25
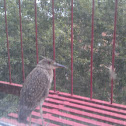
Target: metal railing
53,27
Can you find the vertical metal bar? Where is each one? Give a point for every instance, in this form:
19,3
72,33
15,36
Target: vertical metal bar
22,57
54,43
36,32
7,42
113,51
92,41
71,47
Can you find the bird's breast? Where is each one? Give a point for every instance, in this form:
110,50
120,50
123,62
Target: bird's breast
50,77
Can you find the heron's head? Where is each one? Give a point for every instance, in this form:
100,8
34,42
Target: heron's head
50,64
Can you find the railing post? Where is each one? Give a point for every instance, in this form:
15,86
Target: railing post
7,42
113,50
71,47
54,43
92,41
36,32
22,57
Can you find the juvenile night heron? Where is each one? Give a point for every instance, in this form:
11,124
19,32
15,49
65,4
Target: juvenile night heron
36,88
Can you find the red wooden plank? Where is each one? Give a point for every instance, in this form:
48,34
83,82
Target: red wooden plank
39,121
87,114
64,121
33,120
106,113
94,105
12,84
90,121
88,99
50,117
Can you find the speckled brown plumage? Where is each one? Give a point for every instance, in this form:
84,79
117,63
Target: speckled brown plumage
36,87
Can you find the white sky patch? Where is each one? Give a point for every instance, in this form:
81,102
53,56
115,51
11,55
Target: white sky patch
99,44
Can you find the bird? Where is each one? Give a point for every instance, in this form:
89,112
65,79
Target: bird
36,88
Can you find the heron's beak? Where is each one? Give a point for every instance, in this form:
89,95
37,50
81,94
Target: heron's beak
57,65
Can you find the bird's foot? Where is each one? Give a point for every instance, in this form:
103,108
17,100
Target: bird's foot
47,124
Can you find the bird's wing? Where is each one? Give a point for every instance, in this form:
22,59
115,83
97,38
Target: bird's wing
34,89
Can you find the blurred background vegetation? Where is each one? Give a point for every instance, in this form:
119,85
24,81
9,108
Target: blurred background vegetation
103,35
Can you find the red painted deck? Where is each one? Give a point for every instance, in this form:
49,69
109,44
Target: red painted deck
63,109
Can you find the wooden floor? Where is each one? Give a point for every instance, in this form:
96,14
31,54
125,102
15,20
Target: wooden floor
62,109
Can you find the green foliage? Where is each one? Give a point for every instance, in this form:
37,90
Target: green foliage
8,104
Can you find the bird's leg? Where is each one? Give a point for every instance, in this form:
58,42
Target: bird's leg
30,120
41,112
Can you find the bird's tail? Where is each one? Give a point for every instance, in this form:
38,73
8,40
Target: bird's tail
23,114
